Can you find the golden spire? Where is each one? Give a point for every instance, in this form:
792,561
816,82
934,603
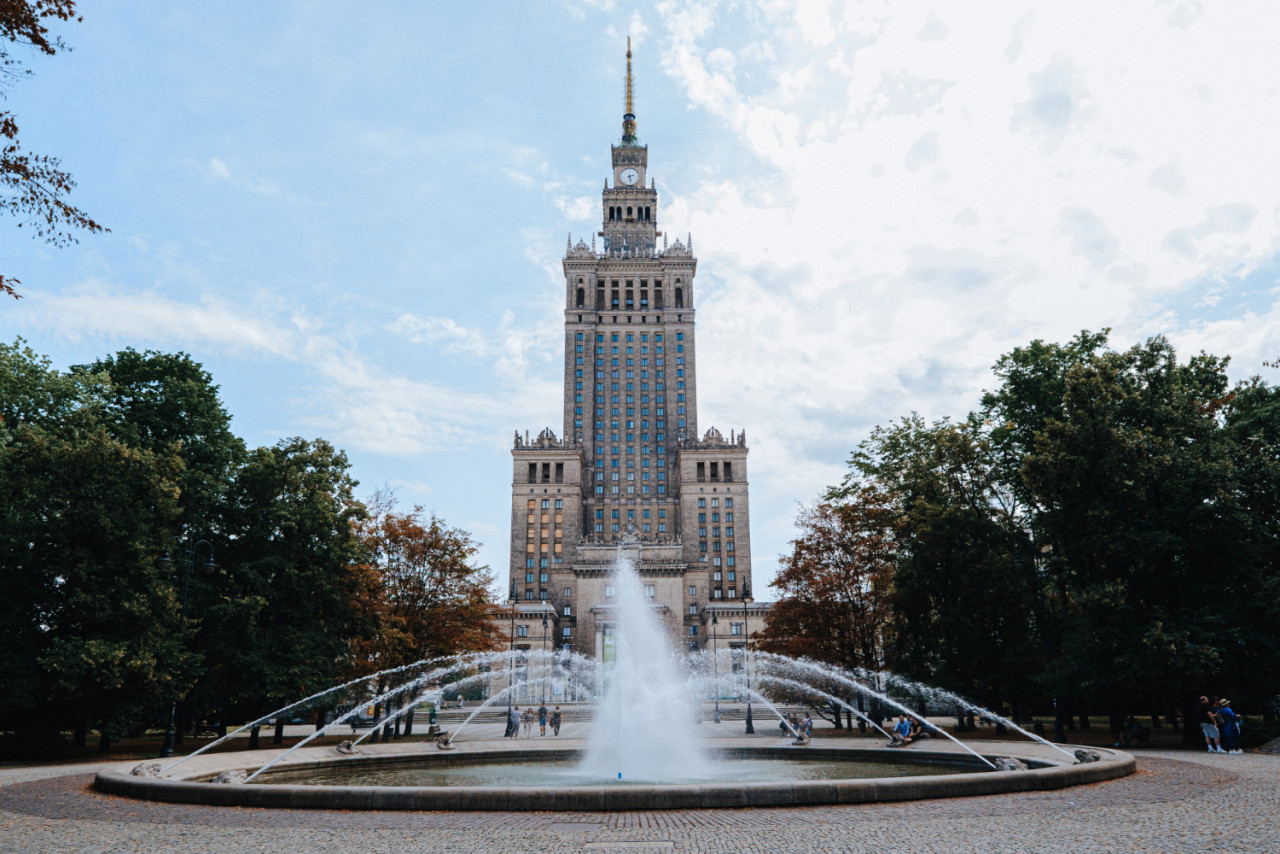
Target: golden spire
629,117
629,110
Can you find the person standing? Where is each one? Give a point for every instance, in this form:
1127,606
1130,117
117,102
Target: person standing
1229,726
513,723
528,722
1209,725
555,721
542,719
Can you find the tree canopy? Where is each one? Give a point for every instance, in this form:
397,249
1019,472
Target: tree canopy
1103,532
123,492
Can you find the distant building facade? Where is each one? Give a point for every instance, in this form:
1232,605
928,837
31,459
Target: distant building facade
630,458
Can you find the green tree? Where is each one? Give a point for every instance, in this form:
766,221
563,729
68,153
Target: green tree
89,622
1136,488
289,576
168,399
964,606
35,187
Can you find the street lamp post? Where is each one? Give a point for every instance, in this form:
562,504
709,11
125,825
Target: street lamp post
715,665
511,654
543,693
751,728
188,561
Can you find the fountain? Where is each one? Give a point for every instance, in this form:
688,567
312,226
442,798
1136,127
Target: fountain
646,747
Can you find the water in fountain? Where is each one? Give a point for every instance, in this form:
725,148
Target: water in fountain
644,726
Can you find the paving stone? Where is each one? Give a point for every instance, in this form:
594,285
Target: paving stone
1177,802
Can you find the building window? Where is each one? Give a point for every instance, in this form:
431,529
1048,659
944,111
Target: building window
693,590
693,631
608,591
735,628
568,611
715,576
567,631
693,610
542,577
568,591
522,631
715,594
649,591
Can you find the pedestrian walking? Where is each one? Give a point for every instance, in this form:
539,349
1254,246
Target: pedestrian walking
528,723
542,719
1229,726
555,721
1209,725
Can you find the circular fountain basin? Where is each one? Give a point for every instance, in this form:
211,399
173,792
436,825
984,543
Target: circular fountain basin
905,774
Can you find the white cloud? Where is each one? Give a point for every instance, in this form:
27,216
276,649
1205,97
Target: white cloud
353,401
946,186
218,170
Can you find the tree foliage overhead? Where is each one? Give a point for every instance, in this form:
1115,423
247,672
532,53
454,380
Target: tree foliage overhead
34,186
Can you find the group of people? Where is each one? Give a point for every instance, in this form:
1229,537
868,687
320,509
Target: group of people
544,718
801,728
905,731
1220,725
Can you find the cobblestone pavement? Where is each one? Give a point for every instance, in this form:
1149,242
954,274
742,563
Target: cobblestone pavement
1177,802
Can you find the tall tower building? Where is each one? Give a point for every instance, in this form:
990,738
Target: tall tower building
630,459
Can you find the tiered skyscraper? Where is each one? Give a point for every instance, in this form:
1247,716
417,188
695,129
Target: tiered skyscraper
630,458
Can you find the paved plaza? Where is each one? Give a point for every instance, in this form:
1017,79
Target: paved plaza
1177,802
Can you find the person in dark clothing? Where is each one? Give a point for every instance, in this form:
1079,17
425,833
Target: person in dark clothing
1208,718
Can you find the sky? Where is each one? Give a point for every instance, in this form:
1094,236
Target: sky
353,215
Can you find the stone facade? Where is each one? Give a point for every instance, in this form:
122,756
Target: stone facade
630,458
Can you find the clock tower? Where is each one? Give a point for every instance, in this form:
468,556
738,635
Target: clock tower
630,460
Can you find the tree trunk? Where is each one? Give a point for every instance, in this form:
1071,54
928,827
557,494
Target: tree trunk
835,713
254,742
319,719
81,736
278,738
104,742
408,721
1084,721
1191,734
184,721
848,719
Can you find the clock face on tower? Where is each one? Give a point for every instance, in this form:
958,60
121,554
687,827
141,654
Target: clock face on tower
629,176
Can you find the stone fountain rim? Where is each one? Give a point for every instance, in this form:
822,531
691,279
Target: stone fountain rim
191,788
